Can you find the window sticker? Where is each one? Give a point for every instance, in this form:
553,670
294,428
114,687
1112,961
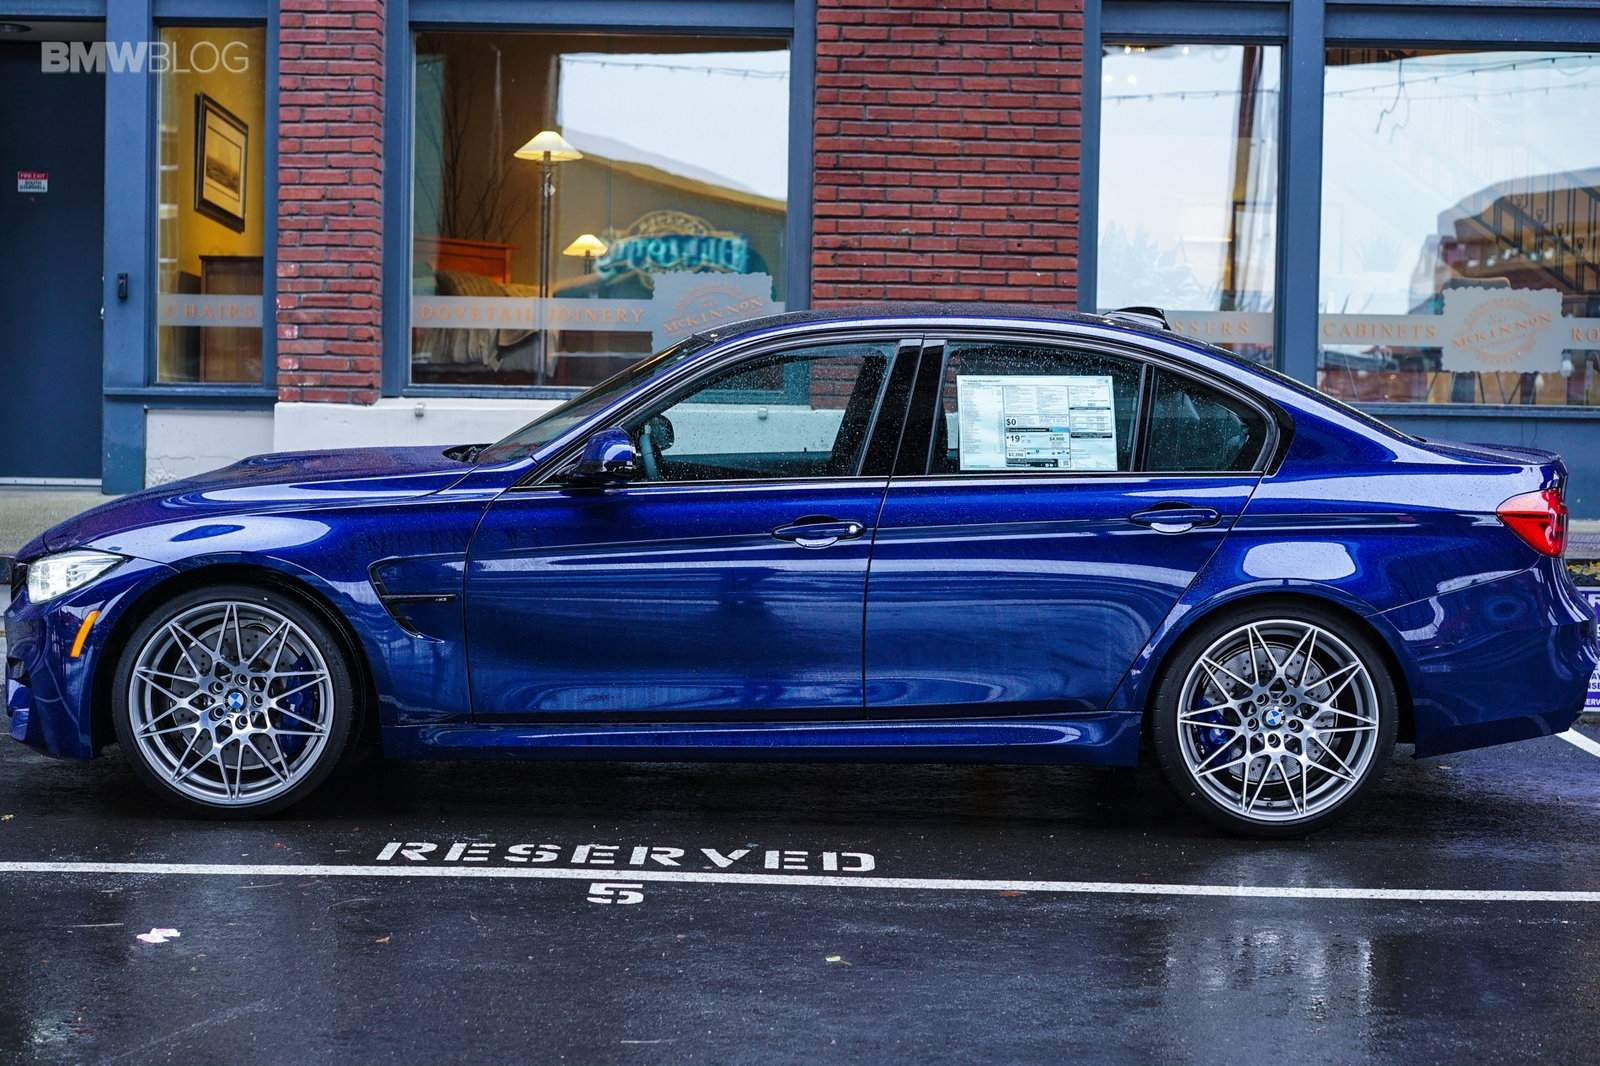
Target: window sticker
1036,422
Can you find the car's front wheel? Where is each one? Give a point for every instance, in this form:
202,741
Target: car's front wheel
233,700
1274,721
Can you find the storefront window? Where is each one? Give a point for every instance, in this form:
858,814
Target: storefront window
580,202
209,204
1460,217
1189,187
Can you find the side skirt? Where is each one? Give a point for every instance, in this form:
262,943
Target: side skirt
1106,738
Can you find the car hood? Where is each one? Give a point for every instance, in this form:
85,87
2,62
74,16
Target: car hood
280,481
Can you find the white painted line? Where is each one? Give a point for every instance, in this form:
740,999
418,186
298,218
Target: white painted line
940,884
1581,742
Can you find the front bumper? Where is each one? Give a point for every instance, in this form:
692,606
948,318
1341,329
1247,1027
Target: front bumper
49,693
1501,661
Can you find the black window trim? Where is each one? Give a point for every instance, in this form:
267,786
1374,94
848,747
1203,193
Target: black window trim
908,344
936,350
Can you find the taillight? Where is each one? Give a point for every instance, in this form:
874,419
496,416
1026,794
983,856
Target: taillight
1540,518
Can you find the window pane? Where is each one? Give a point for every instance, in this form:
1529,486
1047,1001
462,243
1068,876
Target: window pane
660,210
1189,188
1023,408
799,414
1193,427
1460,210
208,205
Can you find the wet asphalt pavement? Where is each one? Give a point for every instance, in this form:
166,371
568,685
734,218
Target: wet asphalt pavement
308,965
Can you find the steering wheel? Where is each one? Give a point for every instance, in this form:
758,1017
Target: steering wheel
655,437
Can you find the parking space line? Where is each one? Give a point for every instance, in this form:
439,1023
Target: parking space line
1581,742
938,884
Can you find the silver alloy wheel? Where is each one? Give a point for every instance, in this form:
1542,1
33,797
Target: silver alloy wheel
231,703
1278,721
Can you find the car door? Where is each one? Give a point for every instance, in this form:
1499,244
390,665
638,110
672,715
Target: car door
729,580
1057,503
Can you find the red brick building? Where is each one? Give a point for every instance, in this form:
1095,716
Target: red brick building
334,222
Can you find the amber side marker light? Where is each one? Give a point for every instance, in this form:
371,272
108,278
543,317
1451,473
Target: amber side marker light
1539,518
83,633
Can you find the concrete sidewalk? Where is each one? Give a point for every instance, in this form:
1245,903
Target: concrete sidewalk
26,512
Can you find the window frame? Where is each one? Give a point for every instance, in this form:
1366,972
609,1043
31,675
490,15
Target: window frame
167,16
793,21
887,421
1305,29
1255,30
927,404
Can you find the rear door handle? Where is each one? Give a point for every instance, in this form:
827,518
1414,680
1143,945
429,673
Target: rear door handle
819,531
1176,519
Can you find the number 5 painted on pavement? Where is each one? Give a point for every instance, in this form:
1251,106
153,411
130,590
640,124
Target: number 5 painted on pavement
615,892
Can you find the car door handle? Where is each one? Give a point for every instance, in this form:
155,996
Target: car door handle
819,531
1176,519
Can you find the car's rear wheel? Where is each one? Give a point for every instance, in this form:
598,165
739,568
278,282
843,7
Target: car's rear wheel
234,701
1275,720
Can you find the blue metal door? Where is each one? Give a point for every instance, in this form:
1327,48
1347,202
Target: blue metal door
1026,595
52,138
671,600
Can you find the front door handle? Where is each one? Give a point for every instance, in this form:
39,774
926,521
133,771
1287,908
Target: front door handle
819,531
1178,518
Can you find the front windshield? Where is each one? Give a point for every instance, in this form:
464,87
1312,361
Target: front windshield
556,421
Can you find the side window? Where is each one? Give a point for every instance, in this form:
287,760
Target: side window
795,414
1021,407
1194,427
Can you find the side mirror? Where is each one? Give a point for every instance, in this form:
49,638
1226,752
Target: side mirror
609,458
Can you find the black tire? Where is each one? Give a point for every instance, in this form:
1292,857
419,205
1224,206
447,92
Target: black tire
1231,740
341,698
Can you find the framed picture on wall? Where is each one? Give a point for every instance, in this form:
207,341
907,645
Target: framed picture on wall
221,152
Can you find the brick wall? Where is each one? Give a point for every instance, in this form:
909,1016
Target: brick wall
330,200
947,151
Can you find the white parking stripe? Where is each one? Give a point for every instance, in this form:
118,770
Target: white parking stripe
940,884
1578,740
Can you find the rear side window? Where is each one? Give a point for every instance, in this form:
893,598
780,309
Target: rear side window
1022,407
1194,427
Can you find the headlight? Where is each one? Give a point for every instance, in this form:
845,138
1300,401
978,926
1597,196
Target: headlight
56,575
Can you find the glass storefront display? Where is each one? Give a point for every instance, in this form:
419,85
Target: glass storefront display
1189,187
579,202
209,215
1460,217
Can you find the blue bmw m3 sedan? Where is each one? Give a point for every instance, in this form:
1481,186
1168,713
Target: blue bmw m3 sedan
914,533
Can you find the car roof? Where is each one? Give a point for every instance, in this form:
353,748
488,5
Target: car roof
915,311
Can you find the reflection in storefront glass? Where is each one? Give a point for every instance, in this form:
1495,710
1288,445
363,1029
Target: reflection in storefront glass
209,205
1188,187
661,164
1460,211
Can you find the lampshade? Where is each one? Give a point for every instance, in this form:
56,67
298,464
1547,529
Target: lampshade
586,244
552,142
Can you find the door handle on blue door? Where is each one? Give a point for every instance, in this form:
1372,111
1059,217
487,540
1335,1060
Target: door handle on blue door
819,531
1176,518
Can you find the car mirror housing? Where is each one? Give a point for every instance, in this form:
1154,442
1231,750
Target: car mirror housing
609,458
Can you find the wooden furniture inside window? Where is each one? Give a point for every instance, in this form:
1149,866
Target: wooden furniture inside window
231,353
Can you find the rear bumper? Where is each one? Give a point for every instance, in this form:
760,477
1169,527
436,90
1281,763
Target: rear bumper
48,691
1504,660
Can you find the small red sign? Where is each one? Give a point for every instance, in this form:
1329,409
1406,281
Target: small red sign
33,181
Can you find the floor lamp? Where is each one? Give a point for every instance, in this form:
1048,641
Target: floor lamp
547,149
